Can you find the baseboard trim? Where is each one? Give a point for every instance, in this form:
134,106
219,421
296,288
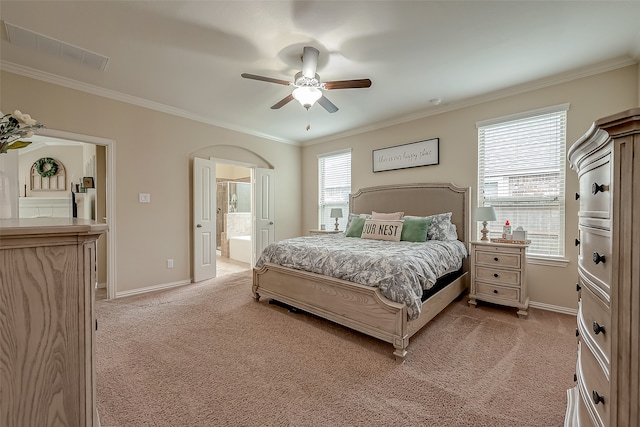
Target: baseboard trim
152,288
556,308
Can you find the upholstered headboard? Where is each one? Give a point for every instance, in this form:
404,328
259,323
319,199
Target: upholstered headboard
418,199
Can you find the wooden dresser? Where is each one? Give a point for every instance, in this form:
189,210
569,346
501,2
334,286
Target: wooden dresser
607,160
47,325
499,275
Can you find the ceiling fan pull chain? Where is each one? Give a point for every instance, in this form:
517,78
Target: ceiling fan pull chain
308,120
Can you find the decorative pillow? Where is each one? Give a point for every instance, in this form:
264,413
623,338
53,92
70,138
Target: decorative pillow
355,227
439,229
415,229
387,216
379,229
352,216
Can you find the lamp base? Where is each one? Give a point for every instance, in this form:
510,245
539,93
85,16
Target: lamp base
484,230
336,225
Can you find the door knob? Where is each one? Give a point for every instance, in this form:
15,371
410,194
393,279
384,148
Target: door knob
270,222
199,225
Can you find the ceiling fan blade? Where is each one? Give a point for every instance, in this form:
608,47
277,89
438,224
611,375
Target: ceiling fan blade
309,61
283,102
265,79
328,105
348,84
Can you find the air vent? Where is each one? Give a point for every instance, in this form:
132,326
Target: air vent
27,38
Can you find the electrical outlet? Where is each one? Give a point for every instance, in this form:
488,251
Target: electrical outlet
169,263
144,198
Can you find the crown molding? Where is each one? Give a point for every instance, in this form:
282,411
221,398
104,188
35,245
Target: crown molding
492,96
118,96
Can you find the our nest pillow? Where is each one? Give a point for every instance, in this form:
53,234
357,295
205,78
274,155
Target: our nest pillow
379,229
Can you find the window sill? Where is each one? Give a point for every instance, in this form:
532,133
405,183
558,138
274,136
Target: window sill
548,261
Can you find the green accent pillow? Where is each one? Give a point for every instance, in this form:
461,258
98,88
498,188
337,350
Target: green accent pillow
415,229
355,227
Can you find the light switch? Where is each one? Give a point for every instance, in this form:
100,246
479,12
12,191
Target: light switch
144,198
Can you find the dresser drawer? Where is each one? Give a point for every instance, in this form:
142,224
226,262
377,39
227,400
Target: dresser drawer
594,257
593,385
494,292
498,276
594,323
498,259
595,194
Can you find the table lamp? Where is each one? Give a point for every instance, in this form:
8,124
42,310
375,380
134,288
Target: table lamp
484,214
336,213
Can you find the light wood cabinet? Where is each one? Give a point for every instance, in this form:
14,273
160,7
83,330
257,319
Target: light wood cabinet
47,324
499,275
607,160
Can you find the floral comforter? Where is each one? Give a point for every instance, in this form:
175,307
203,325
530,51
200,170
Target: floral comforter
402,270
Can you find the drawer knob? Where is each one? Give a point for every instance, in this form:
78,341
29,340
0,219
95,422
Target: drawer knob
577,196
597,258
598,188
496,275
578,287
577,242
597,328
577,332
495,291
496,259
597,398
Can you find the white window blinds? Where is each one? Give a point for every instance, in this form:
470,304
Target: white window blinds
334,177
521,173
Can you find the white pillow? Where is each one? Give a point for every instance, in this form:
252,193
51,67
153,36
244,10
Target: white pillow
379,229
392,215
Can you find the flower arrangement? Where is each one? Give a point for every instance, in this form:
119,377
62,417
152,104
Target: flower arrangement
15,126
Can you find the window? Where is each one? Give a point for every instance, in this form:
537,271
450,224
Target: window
334,177
521,173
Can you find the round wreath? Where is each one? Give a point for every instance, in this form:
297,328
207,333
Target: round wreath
53,167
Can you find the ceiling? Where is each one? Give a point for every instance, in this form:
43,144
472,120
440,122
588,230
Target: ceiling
186,57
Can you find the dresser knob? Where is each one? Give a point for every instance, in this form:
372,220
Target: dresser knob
577,242
595,188
575,377
496,275
597,328
578,287
495,259
577,196
577,332
597,398
597,258
495,291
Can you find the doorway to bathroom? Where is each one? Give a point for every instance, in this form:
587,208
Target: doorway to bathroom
234,218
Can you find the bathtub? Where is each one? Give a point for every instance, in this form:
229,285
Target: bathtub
240,248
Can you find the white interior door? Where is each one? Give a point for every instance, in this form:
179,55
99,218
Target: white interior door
265,210
204,219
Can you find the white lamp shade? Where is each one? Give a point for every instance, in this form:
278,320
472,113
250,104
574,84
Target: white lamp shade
485,213
307,95
336,213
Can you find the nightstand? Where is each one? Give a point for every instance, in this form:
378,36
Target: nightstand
324,232
499,275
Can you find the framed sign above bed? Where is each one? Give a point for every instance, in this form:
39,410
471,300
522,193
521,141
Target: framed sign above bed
415,154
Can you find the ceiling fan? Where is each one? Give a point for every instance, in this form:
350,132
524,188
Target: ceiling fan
308,88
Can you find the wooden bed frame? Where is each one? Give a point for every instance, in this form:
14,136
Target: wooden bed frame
364,308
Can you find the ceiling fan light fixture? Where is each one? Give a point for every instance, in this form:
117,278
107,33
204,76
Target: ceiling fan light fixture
307,95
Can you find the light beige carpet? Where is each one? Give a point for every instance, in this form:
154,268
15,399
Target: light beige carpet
209,355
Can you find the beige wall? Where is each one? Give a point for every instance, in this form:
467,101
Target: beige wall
590,98
153,155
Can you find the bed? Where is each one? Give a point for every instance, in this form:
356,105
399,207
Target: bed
365,308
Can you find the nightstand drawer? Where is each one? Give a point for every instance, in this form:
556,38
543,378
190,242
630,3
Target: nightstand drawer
500,259
492,292
499,276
